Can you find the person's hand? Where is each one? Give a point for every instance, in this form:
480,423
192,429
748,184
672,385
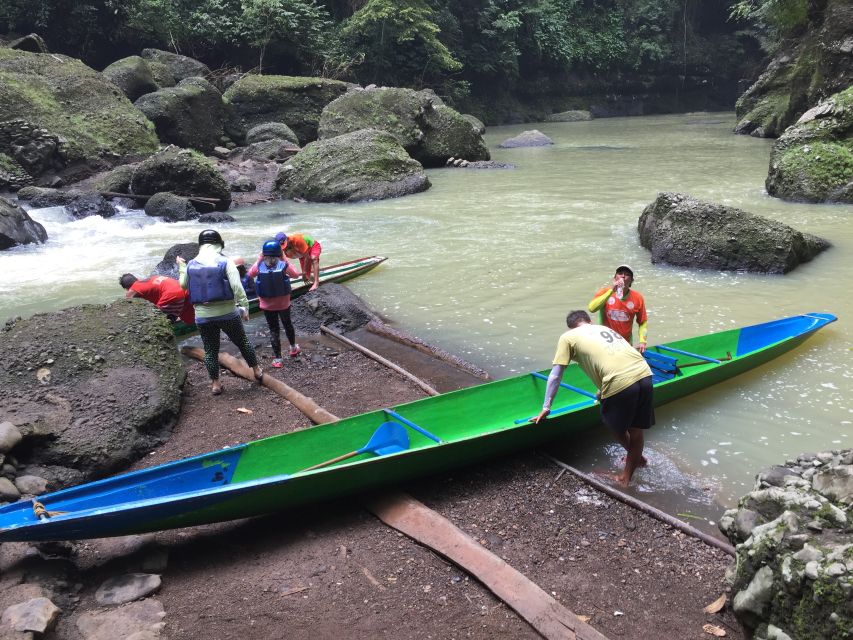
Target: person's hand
641,347
542,415
618,281
180,260
244,314
305,278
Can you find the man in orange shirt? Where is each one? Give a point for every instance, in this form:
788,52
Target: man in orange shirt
165,293
307,249
618,305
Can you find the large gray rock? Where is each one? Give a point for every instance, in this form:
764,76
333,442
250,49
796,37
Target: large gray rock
37,615
127,588
427,129
12,175
531,138
271,131
115,181
16,226
816,62
274,150
170,207
295,101
141,620
39,91
183,172
682,231
132,75
793,576
181,67
78,203
363,165
569,116
10,435
8,491
32,42
192,114
113,390
167,266
813,160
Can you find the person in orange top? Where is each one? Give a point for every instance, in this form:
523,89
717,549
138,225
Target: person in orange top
165,293
307,249
618,306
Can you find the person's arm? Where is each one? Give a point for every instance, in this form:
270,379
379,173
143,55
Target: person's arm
183,280
551,388
290,270
240,298
598,301
130,293
315,267
642,333
254,270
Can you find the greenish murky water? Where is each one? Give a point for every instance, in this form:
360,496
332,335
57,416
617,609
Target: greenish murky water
487,263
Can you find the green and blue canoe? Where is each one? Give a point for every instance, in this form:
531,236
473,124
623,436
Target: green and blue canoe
333,273
411,440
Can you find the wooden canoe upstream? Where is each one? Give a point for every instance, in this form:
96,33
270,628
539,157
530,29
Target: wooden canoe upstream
383,447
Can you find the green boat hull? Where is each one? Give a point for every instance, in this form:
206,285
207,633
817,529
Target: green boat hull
333,273
472,424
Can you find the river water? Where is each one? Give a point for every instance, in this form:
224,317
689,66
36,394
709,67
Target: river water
487,263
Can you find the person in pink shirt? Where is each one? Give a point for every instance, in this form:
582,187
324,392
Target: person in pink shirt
272,279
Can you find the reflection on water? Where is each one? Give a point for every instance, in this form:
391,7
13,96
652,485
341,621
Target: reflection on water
487,264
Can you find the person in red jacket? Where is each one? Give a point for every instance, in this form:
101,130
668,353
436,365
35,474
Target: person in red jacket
164,292
619,305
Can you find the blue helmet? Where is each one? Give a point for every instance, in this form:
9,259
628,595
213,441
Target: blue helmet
271,248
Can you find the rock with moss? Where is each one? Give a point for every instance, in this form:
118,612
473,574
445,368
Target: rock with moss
187,250
813,64
162,74
685,232
32,42
813,160
116,180
77,121
475,122
296,101
427,129
16,226
183,172
529,138
576,115
132,75
362,165
271,131
93,387
793,576
170,207
12,175
180,67
191,114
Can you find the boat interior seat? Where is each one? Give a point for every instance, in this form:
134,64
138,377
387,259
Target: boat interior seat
663,367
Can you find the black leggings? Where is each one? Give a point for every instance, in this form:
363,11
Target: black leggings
233,328
275,333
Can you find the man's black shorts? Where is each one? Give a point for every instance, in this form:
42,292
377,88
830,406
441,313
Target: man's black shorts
631,407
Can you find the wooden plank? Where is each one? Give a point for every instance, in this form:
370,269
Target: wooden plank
551,619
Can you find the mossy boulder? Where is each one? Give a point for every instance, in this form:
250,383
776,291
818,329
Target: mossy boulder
296,101
685,232
362,165
32,42
813,160
180,67
427,129
12,175
812,65
271,131
190,114
183,172
475,122
162,75
187,250
576,115
170,207
116,180
132,75
16,226
91,388
59,98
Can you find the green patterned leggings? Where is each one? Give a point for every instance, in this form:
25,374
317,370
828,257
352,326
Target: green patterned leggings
233,328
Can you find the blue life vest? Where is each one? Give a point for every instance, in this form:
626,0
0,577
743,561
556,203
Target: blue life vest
249,286
274,282
208,283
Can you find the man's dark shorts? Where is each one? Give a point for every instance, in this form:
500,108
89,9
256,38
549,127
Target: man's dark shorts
631,407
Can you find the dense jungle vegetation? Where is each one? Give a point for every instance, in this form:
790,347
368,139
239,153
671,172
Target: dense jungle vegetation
465,49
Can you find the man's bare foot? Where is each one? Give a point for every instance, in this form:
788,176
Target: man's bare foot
216,387
643,461
621,480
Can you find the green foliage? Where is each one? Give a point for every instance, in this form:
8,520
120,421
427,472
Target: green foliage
775,19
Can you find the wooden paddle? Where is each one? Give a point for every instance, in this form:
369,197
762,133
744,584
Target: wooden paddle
390,437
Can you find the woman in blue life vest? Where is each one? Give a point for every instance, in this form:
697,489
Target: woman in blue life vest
272,275
219,301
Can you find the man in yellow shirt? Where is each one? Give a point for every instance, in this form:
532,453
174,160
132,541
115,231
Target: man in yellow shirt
620,373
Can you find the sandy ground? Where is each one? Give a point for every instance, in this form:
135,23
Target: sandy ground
335,571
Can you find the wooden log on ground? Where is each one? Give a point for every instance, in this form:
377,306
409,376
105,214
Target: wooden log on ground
313,411
371,354
382,329
537,607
